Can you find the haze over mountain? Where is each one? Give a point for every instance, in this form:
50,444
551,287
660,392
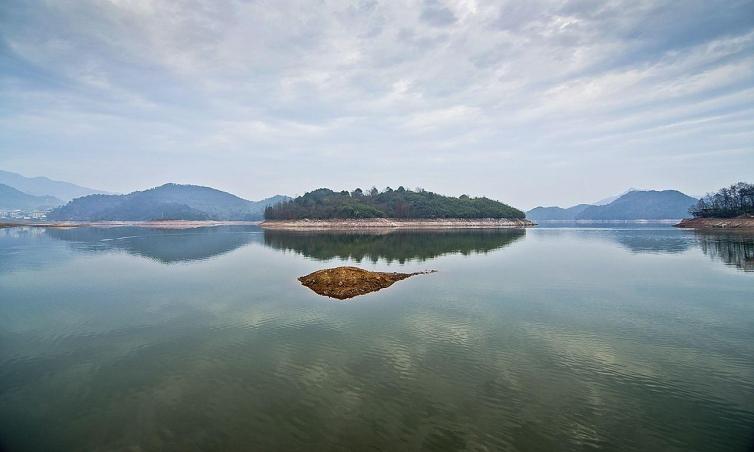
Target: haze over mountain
43,186
633,205
166,202
12,199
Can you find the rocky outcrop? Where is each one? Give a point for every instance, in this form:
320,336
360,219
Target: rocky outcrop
349,282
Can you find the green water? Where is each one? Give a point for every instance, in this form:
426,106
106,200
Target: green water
624,338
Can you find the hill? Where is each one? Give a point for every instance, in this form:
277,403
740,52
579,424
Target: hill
42,186
556,213
401,203
12,199
166,202
642,205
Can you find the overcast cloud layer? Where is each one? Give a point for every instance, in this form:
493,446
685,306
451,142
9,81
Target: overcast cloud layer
535,102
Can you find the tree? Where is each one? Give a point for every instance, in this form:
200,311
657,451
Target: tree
733,201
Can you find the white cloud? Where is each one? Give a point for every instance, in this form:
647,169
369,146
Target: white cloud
453,85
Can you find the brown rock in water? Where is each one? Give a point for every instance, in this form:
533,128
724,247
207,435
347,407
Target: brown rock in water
349,282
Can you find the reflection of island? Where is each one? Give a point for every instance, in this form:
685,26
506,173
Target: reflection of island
395,245
732,248
163,245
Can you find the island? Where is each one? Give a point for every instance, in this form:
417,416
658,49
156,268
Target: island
728,208
401,208
348,282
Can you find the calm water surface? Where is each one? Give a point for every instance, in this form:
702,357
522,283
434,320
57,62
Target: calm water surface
622,338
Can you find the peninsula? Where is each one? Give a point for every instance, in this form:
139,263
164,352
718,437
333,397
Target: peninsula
400,208
728,208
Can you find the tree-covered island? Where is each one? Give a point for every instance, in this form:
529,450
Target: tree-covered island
326,204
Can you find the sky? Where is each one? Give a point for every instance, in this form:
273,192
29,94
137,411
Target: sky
528,102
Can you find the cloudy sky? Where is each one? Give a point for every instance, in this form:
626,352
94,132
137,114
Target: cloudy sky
530,102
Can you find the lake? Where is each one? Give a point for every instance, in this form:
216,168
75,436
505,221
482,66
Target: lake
622,338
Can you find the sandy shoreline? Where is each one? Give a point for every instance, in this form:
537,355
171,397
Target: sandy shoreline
392,223
717,223
168,224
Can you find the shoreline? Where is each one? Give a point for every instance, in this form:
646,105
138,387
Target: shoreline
161,224
394,223
740,223
672,221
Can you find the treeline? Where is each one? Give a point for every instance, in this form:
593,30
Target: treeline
728,202
400,203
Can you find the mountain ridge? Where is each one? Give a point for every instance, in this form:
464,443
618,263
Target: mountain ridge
631,205
44,186
554,213
166,202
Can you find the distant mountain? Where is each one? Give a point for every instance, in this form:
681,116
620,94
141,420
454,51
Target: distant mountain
12,199
556,213
42,186
166,202
642,205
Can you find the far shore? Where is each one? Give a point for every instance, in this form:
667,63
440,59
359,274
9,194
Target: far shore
746,223
394,223
162,224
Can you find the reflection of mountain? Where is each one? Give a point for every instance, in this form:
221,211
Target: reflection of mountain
163,245
25,248
661,241
397,245
730,248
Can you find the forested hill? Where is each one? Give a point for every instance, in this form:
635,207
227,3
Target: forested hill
166,202
401,203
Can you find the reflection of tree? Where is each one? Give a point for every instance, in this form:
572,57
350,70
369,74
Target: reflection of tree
163,245
395,245
730,248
